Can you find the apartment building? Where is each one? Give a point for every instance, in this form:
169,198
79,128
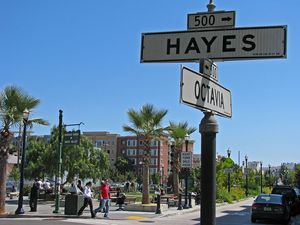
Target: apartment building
133,148
106,141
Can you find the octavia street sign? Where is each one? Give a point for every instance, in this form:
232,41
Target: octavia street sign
211,20
200,92
221,44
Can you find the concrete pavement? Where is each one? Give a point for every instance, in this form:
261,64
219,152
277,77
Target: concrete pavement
45,209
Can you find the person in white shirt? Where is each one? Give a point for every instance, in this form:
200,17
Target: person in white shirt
87,199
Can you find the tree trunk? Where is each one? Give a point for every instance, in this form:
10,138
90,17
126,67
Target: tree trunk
3,168
176,182
146,199
176,170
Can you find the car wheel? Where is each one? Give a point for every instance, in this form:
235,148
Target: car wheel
253,220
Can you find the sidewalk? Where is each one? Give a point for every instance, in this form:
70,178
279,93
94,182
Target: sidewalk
45,210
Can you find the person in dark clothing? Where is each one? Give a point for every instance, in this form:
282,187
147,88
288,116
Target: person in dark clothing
79,186
34,194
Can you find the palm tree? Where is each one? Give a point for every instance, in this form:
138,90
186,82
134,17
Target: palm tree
13,102
146,125
178,132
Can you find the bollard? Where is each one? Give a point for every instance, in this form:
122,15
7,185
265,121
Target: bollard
179,203
190,200
158,210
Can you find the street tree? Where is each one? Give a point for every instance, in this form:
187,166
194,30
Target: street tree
123,165
82,161
36,158
178,132
146,124
13,102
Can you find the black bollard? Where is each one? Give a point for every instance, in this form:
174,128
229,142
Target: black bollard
158,210
179,203
190,200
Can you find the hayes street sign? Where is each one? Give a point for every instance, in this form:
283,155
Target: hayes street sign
211,20
226,44
200,92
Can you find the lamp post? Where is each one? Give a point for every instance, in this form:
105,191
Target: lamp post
186,138
228,176
246,161
261,178
20,209
269,175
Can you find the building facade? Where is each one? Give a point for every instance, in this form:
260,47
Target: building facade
133,148
106,141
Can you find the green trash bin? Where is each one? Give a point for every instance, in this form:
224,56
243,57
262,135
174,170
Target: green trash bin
73,203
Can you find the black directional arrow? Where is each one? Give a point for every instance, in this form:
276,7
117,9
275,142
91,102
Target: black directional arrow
226,18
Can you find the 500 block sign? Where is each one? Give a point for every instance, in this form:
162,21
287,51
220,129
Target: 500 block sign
227,44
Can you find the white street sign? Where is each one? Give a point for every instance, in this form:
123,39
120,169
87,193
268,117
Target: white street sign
203,93
218,45
228,170
186,159
211,20
209,68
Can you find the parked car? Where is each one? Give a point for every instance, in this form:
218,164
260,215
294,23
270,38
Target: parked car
272,207
10,187
289,192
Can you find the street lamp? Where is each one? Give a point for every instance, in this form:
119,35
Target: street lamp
20,209
261,178
228,176
246,160
269,175
186,138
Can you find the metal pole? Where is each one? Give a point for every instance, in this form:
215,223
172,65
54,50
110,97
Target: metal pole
20,209
261,178
246,159
158,210
211,7
269,176
179,202
228,176
57,177
186,180
208,129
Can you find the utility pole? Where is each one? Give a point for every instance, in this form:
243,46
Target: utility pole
208,129
58,172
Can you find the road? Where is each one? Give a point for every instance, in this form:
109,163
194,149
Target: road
233,214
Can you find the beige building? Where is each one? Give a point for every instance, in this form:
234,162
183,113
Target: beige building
106,141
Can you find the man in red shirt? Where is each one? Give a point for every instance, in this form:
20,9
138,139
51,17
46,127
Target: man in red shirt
105,198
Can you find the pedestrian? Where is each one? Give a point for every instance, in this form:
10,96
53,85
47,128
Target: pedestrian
34,194
105,198
79,186
100,200
87,199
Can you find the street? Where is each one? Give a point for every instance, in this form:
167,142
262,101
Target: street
227,214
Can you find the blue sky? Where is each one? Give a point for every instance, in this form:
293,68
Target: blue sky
83,56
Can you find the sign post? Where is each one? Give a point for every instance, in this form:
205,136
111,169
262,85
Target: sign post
203,93
211,36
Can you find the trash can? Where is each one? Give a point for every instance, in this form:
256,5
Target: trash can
73,203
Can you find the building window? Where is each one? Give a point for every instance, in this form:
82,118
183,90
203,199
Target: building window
153,162
131,152
133,160
153,152
153,170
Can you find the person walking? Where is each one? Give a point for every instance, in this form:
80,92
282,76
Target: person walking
34,194
79,186
105,198
87,199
